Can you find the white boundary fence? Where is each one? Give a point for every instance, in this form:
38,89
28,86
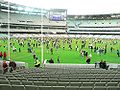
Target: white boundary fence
47,65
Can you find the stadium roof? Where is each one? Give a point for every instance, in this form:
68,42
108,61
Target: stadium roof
75,7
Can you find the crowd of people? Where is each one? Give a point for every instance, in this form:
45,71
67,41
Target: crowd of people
85,47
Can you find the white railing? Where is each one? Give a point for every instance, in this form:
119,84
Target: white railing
47,65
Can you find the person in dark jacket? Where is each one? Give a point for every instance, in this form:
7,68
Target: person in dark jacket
105,66
5,67
37,62
118,53
51,61
12,66
88,60
101,64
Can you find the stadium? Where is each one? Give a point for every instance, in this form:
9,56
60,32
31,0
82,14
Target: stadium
51,49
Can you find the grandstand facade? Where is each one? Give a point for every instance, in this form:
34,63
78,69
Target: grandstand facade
25,19
94,24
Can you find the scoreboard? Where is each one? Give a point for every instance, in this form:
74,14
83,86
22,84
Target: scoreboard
57,15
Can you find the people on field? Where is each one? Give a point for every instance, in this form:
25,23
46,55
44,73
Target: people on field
37,63
111,49
47,47
34,55
95,49
58,59
76,48
19,49
63,44
63,47
29,50
45,61
88,59
51,61
14,49
82,53
51,50
118,53
105,51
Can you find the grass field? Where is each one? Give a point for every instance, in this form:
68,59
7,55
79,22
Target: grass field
66,56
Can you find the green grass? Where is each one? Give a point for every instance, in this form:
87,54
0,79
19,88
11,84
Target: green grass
66,56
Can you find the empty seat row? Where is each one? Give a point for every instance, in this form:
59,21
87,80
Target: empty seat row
33,87
72,78
53,83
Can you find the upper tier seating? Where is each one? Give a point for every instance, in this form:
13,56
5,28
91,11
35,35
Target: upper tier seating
94,23
19,18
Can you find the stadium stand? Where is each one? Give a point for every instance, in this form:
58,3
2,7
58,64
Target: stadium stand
27,21
61,79
102,24
58,76
22,21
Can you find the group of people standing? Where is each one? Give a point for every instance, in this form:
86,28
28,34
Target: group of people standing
102,64
3,56
86,47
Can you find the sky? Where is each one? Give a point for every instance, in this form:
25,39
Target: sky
75,7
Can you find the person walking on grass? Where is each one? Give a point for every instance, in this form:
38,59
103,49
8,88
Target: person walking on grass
58,59
118,53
